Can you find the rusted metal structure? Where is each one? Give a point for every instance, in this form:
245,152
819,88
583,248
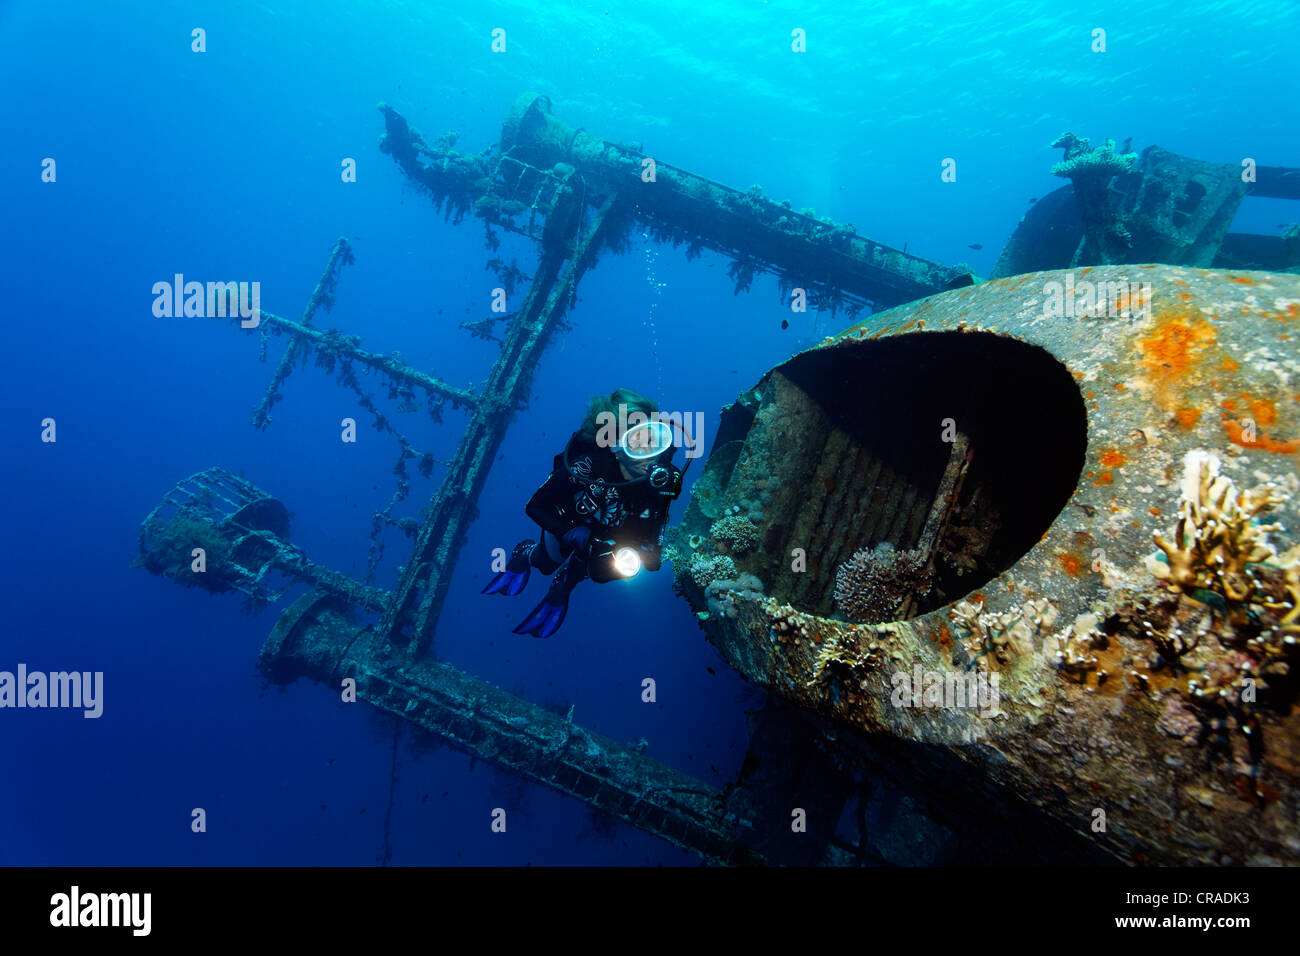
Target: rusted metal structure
574,195
1154,207
316,638
1119,559
216,531
835,475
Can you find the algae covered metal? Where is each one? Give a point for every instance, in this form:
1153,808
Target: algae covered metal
1040,533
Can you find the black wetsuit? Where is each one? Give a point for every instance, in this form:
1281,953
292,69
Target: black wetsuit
633,515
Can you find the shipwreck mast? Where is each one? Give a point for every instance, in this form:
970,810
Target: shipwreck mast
573,194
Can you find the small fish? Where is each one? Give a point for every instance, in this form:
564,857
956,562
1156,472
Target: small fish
976,246
711,671
785,323
1033,199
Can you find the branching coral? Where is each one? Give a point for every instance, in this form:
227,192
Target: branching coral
1082,158
872,585
1218,544
1289,584
1106,239
1232,620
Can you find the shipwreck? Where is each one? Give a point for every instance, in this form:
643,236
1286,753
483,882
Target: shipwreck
1082,522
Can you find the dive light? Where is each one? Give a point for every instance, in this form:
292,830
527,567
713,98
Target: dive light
627,562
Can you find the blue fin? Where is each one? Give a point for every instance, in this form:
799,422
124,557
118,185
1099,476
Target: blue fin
545,619
508,583
512,580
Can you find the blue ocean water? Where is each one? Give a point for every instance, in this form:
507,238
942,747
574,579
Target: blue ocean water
226,163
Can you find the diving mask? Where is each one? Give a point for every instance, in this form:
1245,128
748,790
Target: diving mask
642,443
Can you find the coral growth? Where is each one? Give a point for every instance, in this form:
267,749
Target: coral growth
858,650
171,544
736,532
1076,648
873,585
995,640
1105,236
705,570
846,658
1083,159
1218,543
790,626
1226,581
724,595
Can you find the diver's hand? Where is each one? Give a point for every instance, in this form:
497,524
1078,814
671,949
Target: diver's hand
650,555
579,538
600,561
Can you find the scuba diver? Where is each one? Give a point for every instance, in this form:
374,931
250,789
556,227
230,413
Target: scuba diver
603,509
